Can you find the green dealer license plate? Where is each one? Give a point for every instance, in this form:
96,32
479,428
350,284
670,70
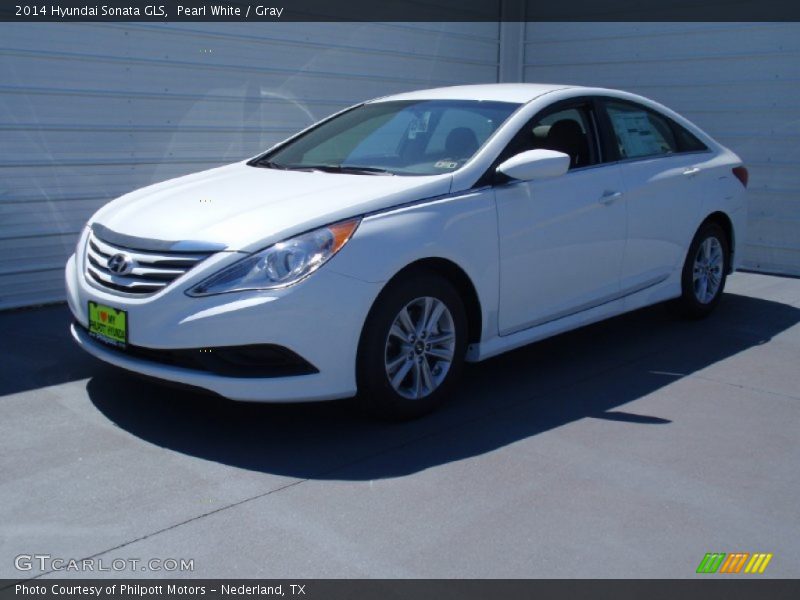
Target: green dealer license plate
109,325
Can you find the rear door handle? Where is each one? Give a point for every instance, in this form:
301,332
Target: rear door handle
609,197
691,172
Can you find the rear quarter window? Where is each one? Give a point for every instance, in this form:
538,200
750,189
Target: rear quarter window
687,141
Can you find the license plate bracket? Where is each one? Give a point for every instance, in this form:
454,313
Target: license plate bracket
108,324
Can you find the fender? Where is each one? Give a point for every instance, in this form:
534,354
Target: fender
461,228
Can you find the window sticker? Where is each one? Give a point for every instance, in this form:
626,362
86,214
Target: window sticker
419,125
636,133
445,164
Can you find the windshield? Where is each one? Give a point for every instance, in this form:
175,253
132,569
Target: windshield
414,137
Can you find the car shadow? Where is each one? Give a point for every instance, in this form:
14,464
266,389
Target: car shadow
588,373
38,350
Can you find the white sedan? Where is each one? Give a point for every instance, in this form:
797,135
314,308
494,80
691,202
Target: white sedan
375,252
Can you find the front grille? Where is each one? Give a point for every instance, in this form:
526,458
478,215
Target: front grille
148,273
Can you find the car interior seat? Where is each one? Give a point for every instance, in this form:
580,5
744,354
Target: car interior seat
461,142
566,136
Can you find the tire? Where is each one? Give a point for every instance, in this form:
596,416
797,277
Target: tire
706,267
423,377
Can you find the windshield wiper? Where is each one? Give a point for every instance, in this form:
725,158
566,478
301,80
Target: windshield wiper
367,170
268,164
351,169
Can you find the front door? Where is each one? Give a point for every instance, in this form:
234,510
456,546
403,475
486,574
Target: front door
562,240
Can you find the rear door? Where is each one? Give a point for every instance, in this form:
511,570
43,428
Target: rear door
663,171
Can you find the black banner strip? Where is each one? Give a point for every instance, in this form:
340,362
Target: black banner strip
177,11
711,588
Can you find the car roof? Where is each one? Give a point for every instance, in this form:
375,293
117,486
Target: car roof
519,93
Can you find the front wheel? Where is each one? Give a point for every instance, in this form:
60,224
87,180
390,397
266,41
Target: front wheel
412,347
705,271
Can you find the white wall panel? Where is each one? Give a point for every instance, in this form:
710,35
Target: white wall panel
738,81
91,111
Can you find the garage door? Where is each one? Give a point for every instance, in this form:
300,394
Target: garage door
91,111
738,81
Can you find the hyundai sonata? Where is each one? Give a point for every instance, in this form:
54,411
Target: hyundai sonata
376,251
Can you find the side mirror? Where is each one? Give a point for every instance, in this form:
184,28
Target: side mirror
535,164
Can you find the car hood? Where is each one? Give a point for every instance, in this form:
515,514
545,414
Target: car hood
239,207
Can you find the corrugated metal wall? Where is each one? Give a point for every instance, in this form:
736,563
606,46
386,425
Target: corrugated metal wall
91,111
738,81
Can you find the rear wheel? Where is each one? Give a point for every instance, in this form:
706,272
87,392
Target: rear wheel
412,347
705,271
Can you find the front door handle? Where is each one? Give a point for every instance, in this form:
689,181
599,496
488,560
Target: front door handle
609,197
692,171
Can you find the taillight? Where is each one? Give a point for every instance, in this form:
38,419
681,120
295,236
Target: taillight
741,175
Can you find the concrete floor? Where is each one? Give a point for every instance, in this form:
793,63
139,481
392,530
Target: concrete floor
626,449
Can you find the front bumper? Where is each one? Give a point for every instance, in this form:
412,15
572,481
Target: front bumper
319,319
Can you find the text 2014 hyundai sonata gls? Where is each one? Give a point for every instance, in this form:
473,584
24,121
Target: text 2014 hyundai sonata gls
377,250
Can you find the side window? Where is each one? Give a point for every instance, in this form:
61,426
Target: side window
639,131
687,141
569,130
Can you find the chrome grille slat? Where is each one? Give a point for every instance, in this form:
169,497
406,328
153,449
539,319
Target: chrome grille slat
125,282
152,271
138,272
187,259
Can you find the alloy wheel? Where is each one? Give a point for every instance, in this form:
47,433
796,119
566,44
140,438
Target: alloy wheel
707,270
420,347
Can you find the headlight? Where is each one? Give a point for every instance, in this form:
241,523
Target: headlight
281,264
